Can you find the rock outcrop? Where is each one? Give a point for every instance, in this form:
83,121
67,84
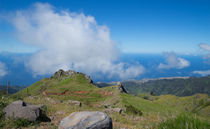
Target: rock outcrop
86,120
121,88
20,109
61,73
89,79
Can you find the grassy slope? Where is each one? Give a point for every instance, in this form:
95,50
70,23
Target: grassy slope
76,84
155,110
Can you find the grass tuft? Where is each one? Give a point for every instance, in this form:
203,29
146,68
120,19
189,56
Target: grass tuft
184,122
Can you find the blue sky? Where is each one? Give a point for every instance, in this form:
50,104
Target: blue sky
139,26
106,39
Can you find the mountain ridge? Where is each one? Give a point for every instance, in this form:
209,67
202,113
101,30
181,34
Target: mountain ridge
180,86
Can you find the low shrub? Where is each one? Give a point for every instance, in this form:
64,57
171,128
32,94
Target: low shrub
184,122
22,123
132,110
17,97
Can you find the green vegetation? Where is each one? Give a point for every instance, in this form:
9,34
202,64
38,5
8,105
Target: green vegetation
76,88
22,123
184,122
178,87
132,110
143,111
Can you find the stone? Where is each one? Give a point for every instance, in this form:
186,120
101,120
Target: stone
74,102
121,88
60,112
89,79
20,109
86,120
118,110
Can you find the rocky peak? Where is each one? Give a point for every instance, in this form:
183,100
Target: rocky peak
61,73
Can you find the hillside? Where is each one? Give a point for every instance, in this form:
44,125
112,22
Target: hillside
174,86
61,94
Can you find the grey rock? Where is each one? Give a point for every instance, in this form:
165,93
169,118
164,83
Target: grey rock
86,120
60,112
74,102
20,109
52,101
61,73
121,88
118,110
89,79
66,74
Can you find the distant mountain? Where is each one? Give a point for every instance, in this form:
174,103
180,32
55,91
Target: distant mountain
12,89
179,86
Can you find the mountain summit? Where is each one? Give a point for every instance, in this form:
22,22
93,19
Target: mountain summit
67,74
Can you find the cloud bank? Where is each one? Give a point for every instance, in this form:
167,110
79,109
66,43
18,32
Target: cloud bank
202,73
172,61
3,69
206,48
69,40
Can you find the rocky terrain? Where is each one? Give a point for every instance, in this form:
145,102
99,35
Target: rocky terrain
71,100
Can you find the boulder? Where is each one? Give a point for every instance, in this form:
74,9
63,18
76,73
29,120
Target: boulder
20,109
86,120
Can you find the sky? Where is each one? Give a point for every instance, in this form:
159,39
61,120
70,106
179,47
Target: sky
135,25
91,36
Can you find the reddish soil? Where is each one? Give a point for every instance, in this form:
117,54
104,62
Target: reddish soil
80,92
76,93
105,93
50,93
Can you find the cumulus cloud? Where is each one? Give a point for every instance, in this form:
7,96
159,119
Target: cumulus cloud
202,73
69,40
172,61
3,69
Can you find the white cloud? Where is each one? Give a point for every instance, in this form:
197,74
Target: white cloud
203,73
172,61
69,40
205,46
3,69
